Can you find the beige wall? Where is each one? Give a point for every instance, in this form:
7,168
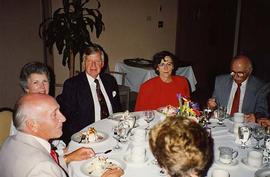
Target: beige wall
19,43
132,30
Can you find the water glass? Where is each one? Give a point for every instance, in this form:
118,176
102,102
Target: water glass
244,134
221,114
258,134
148,117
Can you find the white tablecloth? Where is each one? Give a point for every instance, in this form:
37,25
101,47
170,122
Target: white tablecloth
136,76
147,169
221,135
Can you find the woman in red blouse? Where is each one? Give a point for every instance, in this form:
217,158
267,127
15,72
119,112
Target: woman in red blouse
161,90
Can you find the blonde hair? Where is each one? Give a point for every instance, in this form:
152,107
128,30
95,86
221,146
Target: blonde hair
181,146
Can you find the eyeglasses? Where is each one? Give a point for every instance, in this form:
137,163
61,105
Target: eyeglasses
169,64
93,62
239,74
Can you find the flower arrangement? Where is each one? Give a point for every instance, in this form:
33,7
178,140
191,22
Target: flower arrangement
187,108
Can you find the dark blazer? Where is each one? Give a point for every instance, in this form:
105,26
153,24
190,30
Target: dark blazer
77,104
264,93
252,103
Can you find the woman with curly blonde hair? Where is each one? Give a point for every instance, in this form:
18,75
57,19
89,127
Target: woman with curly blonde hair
182,147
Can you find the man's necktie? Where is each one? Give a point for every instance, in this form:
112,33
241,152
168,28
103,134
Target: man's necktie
236,100
54,156
104,112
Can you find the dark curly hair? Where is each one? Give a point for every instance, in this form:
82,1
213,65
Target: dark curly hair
158,57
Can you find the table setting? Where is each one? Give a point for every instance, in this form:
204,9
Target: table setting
240,149
133,153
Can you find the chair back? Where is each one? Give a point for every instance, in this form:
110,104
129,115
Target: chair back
5,123
124,91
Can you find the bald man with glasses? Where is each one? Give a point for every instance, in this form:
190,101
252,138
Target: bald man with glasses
239,91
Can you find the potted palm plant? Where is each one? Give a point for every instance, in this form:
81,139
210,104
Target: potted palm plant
69,30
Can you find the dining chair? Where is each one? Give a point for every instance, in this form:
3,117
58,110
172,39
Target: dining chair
5,123
124,91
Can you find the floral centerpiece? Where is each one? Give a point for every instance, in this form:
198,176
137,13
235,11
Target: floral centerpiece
187,108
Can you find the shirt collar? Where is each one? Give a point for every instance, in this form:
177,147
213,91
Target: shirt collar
243,83
44,143
90,78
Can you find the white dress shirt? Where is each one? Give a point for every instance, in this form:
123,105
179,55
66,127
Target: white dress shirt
95,98
242,94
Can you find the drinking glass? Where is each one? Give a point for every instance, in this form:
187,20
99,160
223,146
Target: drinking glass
244,134
148,117
221,114
207,112
266,136
121,133
117,138
258,134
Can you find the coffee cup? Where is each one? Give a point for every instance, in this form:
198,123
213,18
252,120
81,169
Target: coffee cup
239,116
227,154
238,119
220,173
139,135
138,154
255,158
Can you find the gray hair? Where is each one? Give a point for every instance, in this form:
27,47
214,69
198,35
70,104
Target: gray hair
33,68
92,50
19,116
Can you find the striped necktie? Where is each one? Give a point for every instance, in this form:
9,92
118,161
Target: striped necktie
104,112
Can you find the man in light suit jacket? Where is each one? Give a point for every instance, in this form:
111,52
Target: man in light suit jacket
79,101
251,102
27,154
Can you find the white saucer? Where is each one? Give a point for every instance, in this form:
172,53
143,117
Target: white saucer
128,160
234,162
262,172
244,161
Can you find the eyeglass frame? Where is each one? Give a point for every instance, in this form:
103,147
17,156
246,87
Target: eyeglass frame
239,74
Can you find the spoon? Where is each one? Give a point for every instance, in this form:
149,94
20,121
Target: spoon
106,152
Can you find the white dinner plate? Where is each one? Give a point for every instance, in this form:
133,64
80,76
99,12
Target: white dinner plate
101,137
265,172
85,167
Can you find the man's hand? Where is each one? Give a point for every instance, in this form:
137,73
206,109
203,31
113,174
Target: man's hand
82,153
250,118
265,122
115,172
211,103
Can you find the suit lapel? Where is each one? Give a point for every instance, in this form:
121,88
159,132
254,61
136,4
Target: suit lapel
86,90
227,90
248,92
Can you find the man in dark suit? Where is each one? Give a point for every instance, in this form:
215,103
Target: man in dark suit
250,102
80,101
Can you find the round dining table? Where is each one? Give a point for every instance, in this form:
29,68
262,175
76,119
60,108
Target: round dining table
222,136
